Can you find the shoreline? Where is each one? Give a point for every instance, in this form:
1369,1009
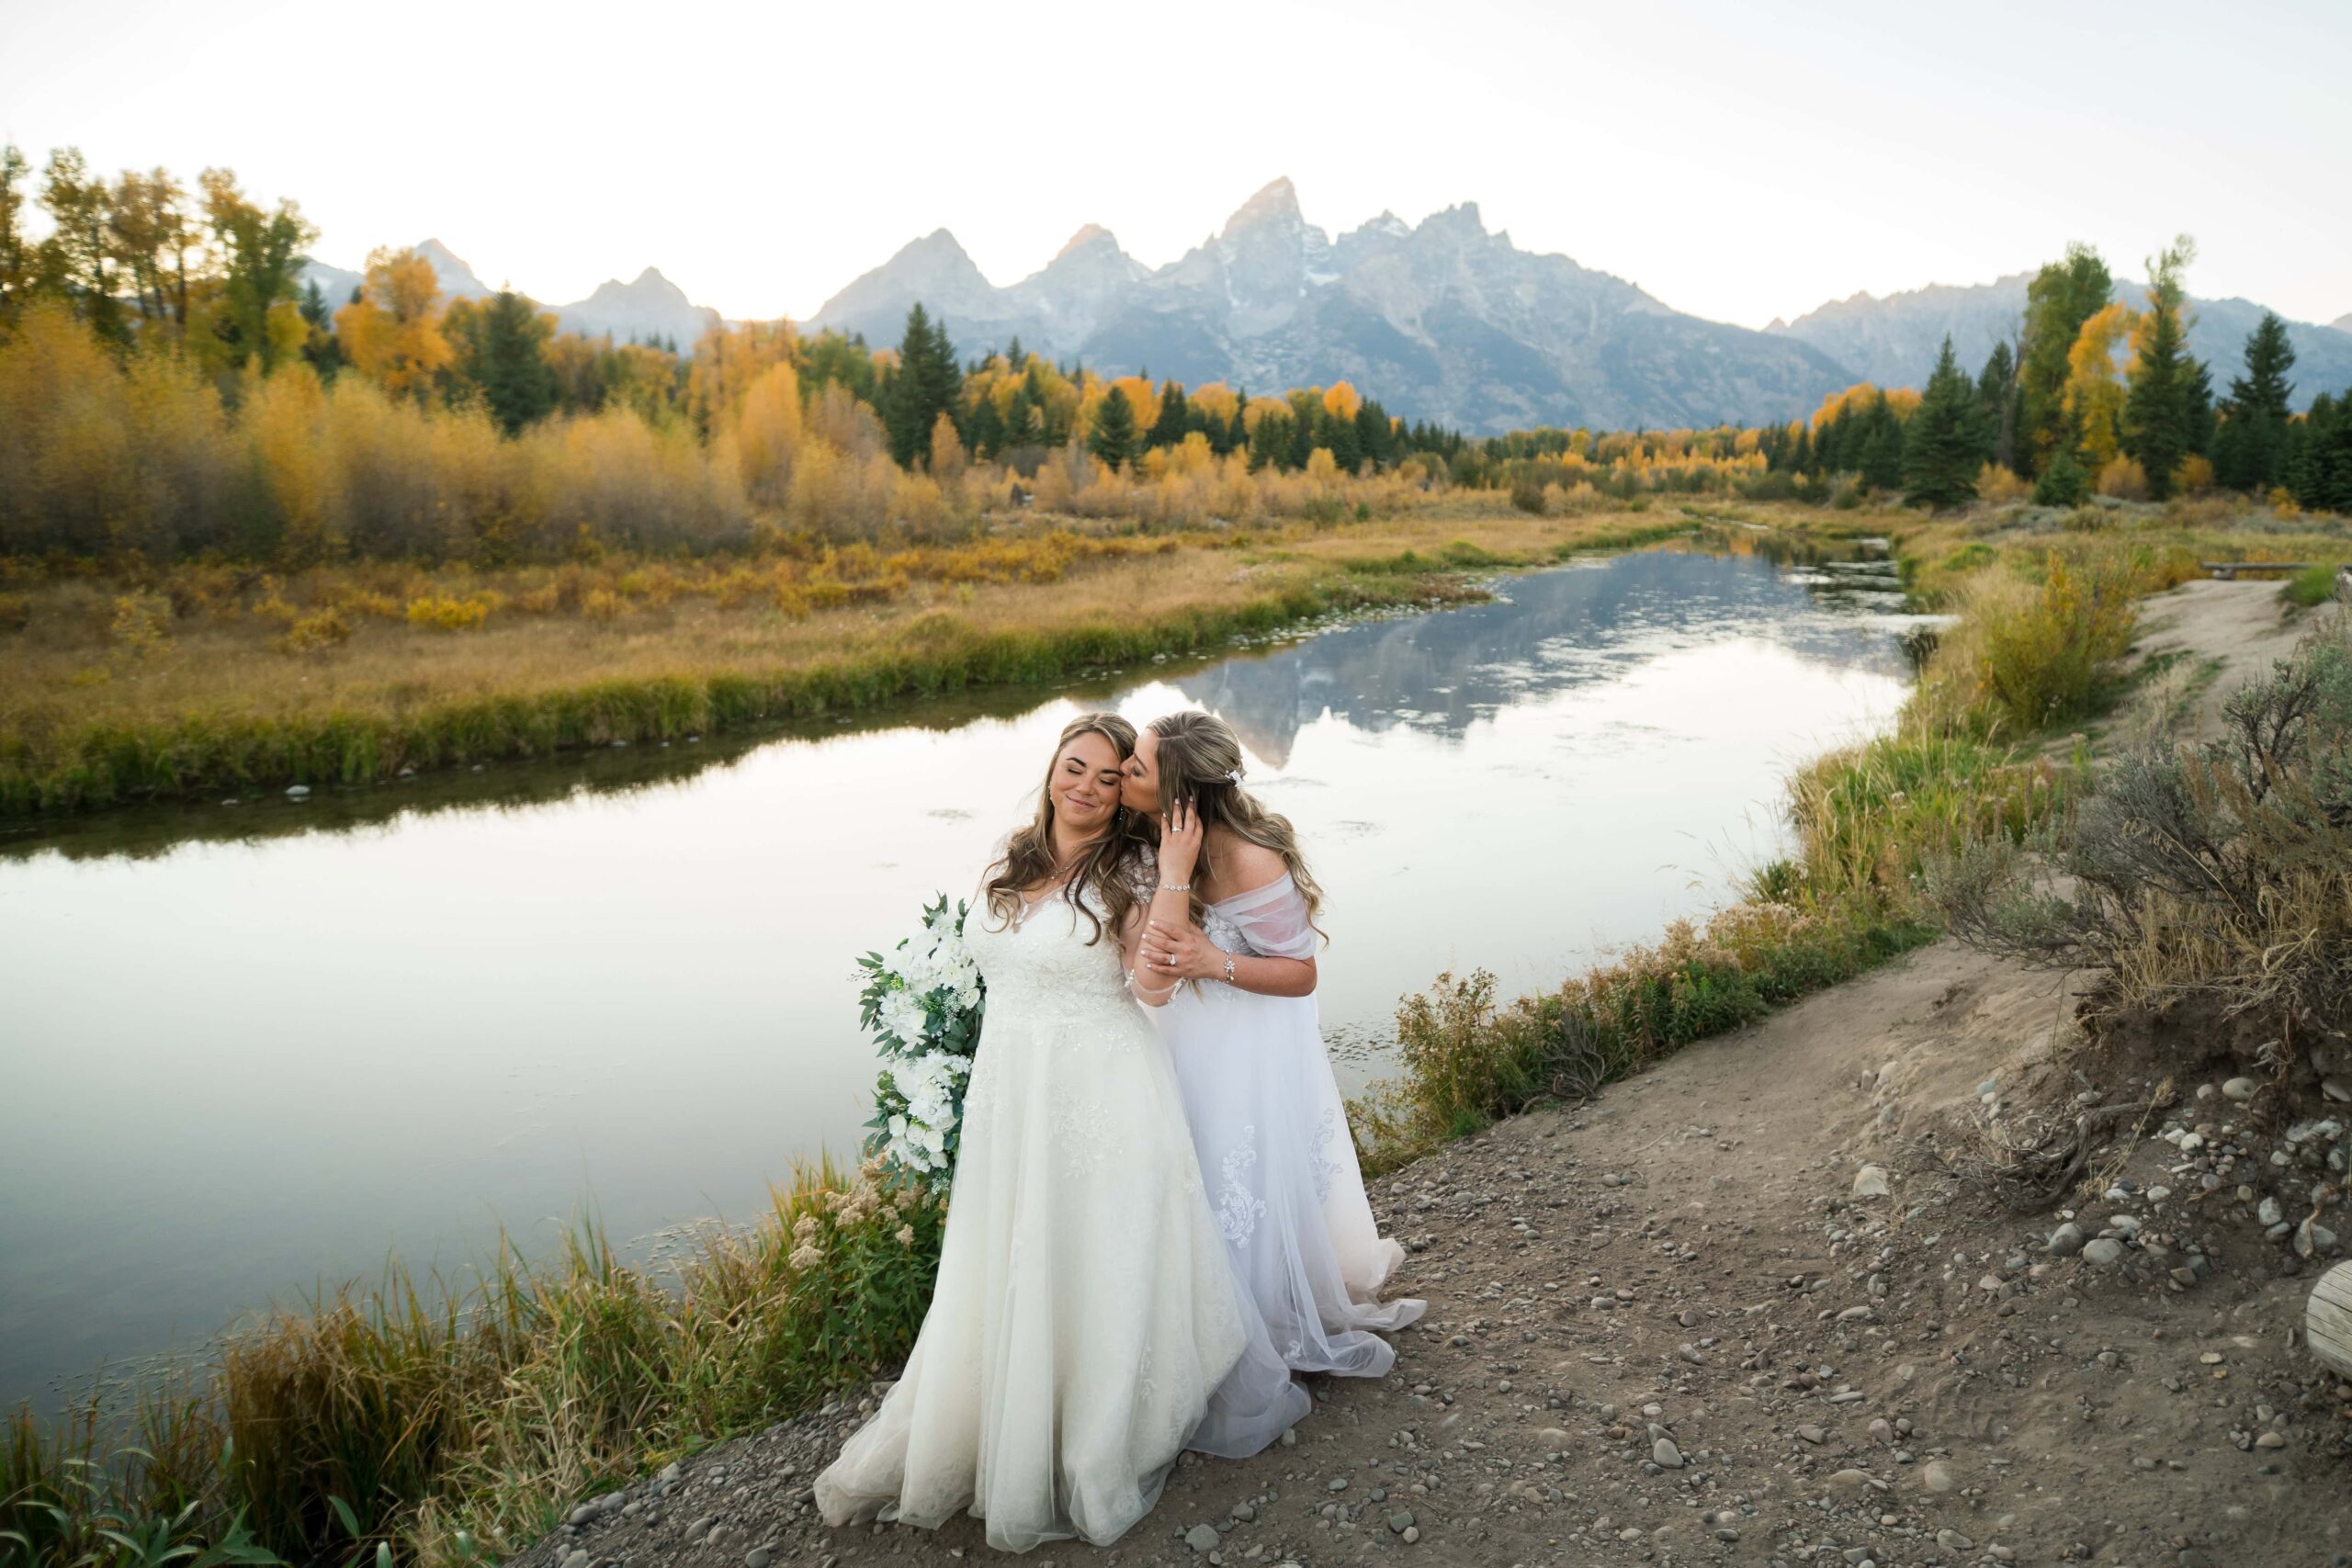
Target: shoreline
53,766
511,1500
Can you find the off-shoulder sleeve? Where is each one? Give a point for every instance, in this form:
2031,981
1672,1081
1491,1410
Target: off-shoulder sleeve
1273,919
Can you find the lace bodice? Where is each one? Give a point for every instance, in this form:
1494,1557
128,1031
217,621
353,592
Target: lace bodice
1265,923
1045,959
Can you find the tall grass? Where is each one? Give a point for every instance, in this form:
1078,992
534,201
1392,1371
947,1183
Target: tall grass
449,1425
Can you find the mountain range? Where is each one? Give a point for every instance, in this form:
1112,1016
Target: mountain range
1895,341
649,308
1441,321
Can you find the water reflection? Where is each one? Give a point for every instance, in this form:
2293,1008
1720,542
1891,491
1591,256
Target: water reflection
264,1051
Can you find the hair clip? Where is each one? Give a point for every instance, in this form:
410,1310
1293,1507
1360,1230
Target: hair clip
1234,777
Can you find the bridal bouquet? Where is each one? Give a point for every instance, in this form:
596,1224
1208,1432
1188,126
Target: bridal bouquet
921,1003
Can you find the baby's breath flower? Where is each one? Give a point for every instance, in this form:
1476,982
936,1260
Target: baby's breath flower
906,1235
807,1257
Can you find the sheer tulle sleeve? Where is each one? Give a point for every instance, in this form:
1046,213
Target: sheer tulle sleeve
1273,919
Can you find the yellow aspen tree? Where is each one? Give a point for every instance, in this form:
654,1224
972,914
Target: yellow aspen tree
2094,393
392,333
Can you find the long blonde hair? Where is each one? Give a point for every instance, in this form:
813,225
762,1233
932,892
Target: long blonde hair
1107,868
1200,761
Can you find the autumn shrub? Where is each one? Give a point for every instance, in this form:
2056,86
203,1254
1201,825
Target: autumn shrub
2028,654
2124,478
142,625
448,613
317,633
603,605
1998,486
2062,484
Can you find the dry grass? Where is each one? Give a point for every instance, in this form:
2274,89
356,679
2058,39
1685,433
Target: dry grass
208,678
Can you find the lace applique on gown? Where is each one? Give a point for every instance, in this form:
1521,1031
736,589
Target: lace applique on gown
1272,1137
1085,1325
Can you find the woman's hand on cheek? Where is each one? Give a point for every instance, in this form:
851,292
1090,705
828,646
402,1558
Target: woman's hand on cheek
1179,843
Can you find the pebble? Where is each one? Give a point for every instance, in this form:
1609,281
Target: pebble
1938,1477
296,792
2067,1240
576,1559
1870,1182
1202,1538
2105,1252
1814,1434
2239,1089
1412,1533
1400,1521
758,1557
1668,1456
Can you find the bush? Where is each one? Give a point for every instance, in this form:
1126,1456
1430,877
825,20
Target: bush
448,612
1527,494
2062,484
2123,479
2308,587
1998,486
314,634
2027,655
2220,872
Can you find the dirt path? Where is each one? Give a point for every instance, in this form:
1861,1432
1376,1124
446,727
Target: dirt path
1662,1328
2239,626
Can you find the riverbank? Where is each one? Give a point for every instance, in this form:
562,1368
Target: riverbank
204,681
593,1342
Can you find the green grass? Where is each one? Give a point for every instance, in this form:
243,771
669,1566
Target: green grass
2311,587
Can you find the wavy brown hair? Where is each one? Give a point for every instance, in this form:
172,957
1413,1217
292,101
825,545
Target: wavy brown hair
1106,869
1200,761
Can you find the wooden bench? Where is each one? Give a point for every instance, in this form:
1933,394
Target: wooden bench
2227,570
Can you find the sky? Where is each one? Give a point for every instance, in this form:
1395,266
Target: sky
1738,160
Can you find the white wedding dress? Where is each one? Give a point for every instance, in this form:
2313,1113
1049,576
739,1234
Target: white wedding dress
1085,1325
1272,1136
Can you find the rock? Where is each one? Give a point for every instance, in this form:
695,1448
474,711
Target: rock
1400,1521
1243,1513
1938,1477
2105,1252
1668,1456
576,1559
2239,1089
1553,1439
758,1557
297,792
1412,1533
1338,1484
583,1514
2268,1212
2271,1440
1854,1314
1202,1538
2067,1240
669,1473
1953,1540
2337,1088
1812,1434
1870,1182
1851,1480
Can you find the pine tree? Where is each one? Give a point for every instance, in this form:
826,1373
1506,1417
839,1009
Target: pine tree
2159,425
2250,449
1882,453
926,384
2320,471
1996,402
2061,297
503,353
1269,444
1114,437
1174,419
1941,449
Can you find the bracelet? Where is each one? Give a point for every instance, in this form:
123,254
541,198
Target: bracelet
1228,968
1175,887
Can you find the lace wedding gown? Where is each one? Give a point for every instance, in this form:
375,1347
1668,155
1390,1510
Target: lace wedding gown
1272,1136
1085,1325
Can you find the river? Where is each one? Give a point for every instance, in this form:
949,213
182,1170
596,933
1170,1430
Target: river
249,1049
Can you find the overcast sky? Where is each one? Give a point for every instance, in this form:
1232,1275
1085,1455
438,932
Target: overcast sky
1738,160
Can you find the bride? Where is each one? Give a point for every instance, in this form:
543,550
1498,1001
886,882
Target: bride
1084,1326
1229,956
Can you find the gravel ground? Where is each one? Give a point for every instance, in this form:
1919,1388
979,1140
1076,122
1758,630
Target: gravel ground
1752,1308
